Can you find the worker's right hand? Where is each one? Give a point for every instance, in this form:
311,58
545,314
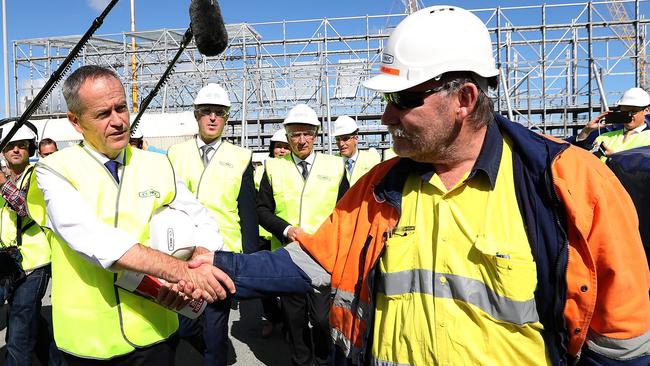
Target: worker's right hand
593,125
208,282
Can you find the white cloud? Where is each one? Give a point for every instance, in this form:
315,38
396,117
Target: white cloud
98,5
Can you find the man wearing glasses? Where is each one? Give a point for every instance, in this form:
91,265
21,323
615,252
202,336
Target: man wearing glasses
484,243
297,193
220,174
631,112
357,162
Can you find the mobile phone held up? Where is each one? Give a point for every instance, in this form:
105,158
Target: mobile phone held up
618,117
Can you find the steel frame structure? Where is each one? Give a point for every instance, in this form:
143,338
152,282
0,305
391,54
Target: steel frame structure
559,65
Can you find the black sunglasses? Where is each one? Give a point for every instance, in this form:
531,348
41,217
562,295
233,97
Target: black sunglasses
406,100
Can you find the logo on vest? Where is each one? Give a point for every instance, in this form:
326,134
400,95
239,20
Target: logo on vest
227,164
149,193
324,177
387,58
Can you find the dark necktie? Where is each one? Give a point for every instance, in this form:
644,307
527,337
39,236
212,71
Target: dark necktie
205,151
305,170
112,165
349,164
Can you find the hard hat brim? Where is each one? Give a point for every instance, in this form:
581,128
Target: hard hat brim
385,83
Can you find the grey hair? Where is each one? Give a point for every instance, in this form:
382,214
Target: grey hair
73,83
483,113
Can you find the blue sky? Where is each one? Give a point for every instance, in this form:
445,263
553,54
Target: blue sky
47,18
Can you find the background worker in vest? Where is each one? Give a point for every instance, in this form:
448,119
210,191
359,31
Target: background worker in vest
220,175
28,245
357,162
635,132
298,191
46,147
98,198
484,243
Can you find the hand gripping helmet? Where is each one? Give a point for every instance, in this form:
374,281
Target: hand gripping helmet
431,42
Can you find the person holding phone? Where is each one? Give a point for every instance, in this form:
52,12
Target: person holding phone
632,111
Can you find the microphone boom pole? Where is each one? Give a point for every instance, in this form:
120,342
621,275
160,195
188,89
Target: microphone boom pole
57,74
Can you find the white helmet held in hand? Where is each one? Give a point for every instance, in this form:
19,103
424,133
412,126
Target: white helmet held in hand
345,125
302,113
212,94
635,97
172,231
431,42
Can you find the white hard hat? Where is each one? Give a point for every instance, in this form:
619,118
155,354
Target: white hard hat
431,42
302,113
280,136
172,231
212,94
136,133
636,97
23,133
345,125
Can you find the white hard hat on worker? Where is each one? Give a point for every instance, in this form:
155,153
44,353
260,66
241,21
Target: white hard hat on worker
211,110
302,126
429,43
345,125
635,97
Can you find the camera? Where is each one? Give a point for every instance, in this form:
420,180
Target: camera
618,117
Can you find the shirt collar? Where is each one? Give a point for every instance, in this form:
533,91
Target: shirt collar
101,157
215,144
309,159
353,157
640,128
489,158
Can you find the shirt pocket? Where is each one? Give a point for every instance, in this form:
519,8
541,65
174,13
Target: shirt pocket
507,269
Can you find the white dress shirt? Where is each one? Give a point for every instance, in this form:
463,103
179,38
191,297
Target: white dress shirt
354,158
70,217
296,160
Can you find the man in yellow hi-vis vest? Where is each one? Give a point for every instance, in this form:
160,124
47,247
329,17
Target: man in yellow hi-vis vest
26,247
220,175
297,192
98,197
357,162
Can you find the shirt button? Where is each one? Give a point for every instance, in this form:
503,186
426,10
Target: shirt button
577,331
584,288
443,279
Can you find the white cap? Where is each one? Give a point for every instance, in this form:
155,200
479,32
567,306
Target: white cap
23,133
431,42
635,97
172,231
280,136
136,133
302,113
212,94
345,125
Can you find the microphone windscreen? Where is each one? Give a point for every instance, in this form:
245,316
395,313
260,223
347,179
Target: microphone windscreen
210,33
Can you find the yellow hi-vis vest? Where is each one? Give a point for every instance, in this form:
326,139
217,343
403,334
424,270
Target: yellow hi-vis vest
614,140
217,185
366,160
92,317
457,278
304,203
35,246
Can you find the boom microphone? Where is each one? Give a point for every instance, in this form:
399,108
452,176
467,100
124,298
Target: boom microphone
210,33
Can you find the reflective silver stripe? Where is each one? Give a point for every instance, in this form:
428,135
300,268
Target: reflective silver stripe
459,288
347,300
619,349
376,362
344,344
318,276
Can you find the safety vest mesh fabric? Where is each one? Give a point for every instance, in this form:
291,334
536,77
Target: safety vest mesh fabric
35,247
614,140
438,303
217,185
304,203
92,317
365,161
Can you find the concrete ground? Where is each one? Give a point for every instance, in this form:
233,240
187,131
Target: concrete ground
247,347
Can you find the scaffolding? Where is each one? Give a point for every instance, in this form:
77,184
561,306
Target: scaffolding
559,65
